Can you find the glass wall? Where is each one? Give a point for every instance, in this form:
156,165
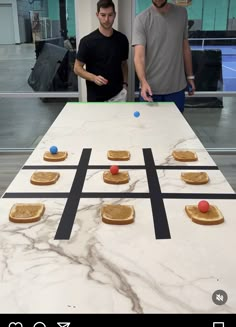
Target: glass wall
208,15
37,46
37,53
212,36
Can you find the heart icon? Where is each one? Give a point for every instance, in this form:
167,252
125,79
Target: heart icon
19,324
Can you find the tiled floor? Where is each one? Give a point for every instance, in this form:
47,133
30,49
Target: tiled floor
10,164
23,122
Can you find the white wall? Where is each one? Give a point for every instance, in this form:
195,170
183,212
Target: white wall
125,19
15,18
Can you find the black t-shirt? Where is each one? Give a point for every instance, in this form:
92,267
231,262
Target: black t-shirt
103,56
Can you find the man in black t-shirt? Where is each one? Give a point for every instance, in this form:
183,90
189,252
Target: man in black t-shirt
104,52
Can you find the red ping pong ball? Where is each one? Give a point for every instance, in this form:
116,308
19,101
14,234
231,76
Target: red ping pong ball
114,170
203,206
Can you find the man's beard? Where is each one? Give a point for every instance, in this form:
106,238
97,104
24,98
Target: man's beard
161,6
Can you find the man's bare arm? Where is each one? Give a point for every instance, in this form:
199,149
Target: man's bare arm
80,71
188,64
139,62
124,67
187,58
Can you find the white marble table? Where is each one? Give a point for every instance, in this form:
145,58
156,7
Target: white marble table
94,267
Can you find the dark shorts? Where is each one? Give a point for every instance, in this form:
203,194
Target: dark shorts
178,98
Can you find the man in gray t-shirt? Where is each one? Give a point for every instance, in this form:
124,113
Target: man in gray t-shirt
162,55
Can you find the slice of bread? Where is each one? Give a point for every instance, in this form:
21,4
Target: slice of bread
184,155
59,156
119,178
44,178
117,214
212,217
195,178
26,212
118,155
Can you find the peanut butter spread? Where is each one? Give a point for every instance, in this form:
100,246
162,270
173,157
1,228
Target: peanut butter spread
187,155
118,155
57,155
212,213
117,211
120,178
195,177
44,176
26,211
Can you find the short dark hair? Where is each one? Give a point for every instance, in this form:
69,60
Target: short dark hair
105,4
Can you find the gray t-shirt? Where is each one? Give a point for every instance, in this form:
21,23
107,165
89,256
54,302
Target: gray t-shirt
162,36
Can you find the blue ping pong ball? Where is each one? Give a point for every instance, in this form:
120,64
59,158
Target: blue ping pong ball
136,114
53,149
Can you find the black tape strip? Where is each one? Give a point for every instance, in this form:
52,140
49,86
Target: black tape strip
94,195
140,167
219,196
188,167
158,209
115,195
49,167
83,195
67,220
86,195
36,195
137,167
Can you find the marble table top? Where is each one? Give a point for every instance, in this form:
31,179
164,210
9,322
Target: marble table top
71,262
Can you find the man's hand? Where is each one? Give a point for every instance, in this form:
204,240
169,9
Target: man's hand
191,87
125,86
146,92
99,80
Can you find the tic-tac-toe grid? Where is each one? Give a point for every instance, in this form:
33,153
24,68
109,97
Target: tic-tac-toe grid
155,194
